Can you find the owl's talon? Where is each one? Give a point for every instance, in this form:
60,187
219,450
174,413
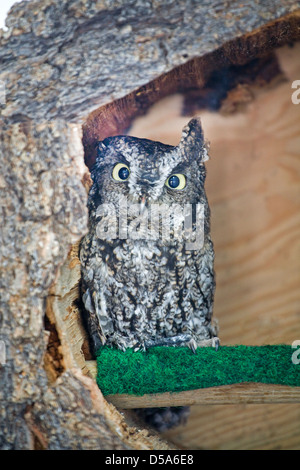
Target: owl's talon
207,343
215,343
192,345
139,347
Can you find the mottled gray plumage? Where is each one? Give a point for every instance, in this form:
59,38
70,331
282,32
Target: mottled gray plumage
145,292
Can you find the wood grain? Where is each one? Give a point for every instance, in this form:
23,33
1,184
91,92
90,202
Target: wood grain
240,427
62,311
245,393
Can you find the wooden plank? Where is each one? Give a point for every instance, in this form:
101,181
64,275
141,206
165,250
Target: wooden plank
239,427
244,393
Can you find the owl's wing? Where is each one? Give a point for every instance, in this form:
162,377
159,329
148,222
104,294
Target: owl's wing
96,331
97,322
205,281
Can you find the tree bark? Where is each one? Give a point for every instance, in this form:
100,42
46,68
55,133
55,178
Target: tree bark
64,64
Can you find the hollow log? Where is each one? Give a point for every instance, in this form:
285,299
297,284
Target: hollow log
75,71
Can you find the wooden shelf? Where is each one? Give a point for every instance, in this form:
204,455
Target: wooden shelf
242,393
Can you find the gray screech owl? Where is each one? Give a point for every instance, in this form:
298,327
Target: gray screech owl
142,288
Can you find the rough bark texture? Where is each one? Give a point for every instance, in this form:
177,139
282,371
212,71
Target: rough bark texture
43,212
61,60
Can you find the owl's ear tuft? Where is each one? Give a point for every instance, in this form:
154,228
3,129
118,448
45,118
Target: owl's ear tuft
192,142
101,147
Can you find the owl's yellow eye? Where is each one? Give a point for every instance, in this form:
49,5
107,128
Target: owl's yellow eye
176,181
120,172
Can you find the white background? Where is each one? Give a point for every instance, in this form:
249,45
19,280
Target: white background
5,6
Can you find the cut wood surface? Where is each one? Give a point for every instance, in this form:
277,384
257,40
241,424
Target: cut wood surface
63,313
244,393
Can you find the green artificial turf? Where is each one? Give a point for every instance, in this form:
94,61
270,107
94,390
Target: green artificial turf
163,369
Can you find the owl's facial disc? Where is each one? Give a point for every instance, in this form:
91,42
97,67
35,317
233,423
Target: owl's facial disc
148,185
144,171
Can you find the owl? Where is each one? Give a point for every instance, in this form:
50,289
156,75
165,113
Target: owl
148,258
